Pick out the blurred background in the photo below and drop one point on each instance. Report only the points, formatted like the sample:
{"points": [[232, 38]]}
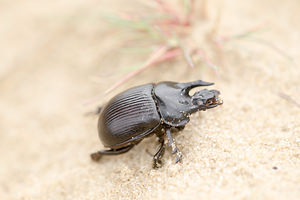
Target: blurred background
{"points": [[61, 59]]}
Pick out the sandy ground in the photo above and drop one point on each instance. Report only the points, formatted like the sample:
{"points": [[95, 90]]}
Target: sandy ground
{"points": [[52, 54]]}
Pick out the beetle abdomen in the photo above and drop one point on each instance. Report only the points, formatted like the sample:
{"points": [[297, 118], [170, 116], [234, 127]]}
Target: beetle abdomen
{"points": [[129, 115]]}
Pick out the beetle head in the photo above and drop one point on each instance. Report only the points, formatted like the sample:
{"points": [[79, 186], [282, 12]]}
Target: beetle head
{"points": [[206, 99]]}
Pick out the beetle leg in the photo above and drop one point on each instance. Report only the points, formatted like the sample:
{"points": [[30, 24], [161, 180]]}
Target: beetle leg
{"points": [[159, 154], [97, 155], [172, 144], [97, 112]]}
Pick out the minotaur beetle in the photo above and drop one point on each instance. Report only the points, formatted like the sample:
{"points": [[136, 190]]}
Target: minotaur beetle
{"points": [[150, 109]]}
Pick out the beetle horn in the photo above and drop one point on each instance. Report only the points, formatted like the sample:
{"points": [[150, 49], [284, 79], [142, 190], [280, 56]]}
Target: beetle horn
{"points": [[186, 87]]}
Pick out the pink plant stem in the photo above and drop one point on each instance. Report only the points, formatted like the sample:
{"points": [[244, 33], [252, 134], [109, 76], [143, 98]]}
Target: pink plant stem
{"points": [[152, 59], [223, 39], [167, 9], [204, 57], [127, 16], [168, 55]]}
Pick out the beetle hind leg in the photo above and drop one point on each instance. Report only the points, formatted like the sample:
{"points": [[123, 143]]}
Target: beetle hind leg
{"points": [[97, 155], [159, 154]]}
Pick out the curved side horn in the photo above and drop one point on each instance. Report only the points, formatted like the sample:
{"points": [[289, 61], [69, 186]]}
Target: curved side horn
{"points": [[186, 87]]}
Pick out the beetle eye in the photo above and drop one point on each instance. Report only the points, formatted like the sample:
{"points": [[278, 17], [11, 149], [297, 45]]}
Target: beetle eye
{"points": [[209, 102]]}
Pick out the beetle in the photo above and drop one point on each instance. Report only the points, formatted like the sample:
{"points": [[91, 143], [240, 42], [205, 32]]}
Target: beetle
{"points": [[149, 109]]}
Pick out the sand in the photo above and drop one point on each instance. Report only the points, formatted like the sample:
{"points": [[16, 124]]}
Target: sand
{"points": [[55, 55]]}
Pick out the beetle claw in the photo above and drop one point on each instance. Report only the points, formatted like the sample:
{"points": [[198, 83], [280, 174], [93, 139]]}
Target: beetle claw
{"points": [[96, 156], [157, 164], [178, 157], [174, 149]]}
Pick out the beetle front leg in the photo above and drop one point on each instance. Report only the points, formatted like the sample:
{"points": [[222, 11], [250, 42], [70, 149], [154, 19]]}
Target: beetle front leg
{"points": [[159, 154], [172, 144], [95, 112], [98, 111]]}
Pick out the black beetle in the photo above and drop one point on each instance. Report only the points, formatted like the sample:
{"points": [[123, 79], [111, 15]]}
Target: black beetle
{"points": [[141, 111]]}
